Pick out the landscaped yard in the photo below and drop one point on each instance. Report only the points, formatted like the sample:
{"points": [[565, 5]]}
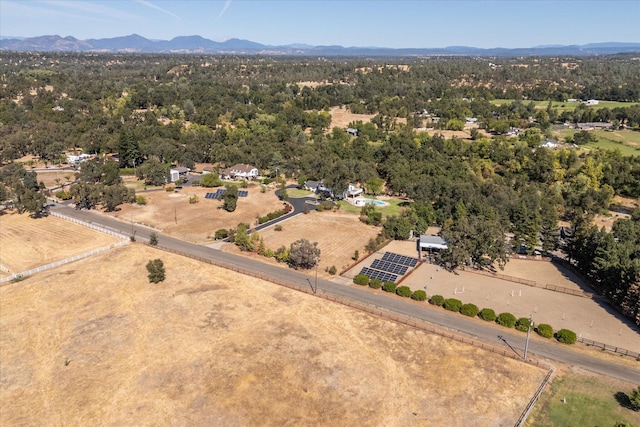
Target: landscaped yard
{"points": [[626, 141], [566, 106], [591, 400]]}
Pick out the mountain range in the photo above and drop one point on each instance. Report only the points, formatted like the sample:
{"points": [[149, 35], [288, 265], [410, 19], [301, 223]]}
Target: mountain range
{"points": [[196, 44]]}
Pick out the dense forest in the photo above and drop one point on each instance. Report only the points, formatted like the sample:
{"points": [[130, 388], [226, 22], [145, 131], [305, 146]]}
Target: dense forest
{"points": [[156, 110]]}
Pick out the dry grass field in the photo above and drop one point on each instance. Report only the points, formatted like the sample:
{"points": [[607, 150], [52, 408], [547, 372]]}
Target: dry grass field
{"points": [[27, 242], [341, 117], [49, 178], [338, 235], [93, 343], [172, 213]]}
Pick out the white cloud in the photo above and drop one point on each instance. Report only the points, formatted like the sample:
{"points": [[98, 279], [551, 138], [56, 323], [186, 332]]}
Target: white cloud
{"points": [[156, 7], [227, 3], [88, 7]]}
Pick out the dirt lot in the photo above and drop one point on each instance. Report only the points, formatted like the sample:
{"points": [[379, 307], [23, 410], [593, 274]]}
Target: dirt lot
{"points": [[26, 242], [172, 213], [338, 235], [584, 316], [49, 177], [88, 344]]}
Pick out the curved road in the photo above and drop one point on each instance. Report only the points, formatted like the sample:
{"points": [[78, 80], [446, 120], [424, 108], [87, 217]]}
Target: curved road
{"points": [[491, 335]]}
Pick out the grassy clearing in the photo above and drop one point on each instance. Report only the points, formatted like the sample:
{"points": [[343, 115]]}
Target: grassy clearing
{"points": [[590, 401], [626, 141], [566, 106]]}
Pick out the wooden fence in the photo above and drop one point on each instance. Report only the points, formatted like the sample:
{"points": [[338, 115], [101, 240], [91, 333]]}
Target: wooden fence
{"points": [[609, 347]]}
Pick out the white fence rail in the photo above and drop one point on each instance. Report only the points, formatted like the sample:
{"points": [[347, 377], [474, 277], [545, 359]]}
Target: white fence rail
{"points": [[86, 224], [124, 241], [61, 262], [5, 269]]}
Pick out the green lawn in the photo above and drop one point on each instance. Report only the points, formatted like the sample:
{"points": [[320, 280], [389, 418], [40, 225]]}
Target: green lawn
{"points": [[590, 401], [627, 141], [394, 208], [296, 193], [566, 106]]}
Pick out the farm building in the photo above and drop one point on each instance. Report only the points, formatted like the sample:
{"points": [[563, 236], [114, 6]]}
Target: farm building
{"points": [[240, 170], [174, 175], [352, 131]]}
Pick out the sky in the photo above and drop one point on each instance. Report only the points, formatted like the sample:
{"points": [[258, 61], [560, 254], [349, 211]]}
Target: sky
{"points": [[380, 23]]}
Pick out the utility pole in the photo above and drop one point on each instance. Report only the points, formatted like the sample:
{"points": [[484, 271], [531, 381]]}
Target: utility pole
{"points": [[526, 346]]}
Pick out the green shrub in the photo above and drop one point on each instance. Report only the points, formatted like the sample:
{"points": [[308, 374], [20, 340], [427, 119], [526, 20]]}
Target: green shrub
{"points": [[269, 253], [222, 233], [375, 283], [169, 188], [333, 270], [319, 208], [127, 171], [522, 324], [389, 287], [419, 295], [566, 336], [278, 227], [487, 314], [470, 310], [141, 200], [403, 291], [361, 280], [63, 195], [452, 304], [544, 330], [506, 319], [210, 180], [437, 300], [282, 254], [195, 183]]}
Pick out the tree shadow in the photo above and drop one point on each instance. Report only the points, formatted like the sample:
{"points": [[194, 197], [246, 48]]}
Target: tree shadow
{"points": [[624, 401]]}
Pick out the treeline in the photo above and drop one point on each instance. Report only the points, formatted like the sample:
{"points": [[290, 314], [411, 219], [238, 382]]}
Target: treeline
{"points": [[157, 110]]}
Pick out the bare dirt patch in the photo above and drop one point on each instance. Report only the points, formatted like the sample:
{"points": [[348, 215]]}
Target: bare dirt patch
{"points": [[27, 242], [338, 235], [55, 178], [94, 343], [341, 117], [172, 213]]}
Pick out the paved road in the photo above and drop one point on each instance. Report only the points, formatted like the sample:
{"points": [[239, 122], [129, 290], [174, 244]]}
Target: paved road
{"points": [[486, 333]]}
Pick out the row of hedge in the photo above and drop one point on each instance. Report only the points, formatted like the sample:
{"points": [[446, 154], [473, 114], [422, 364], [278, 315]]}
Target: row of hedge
{"points": [[276, 214], [507, 320], [391, 287]]}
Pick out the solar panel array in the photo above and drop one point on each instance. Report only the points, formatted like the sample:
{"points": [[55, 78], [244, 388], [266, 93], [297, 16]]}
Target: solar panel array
{"points": [[209, 196], [377, 274], [389, 267], [243, 193], [400, 259]]}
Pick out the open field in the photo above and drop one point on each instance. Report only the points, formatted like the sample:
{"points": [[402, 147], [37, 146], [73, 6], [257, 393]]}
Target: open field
{"points": [[94, 343], [341, 117], [584, 316], [566, 106], [338, 235], [591, 400], [626, 141], [172, 213], [27, 242], [49, 177]]}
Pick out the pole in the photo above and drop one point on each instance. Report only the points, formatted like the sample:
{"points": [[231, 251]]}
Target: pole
{"points": [[316, 289], [526, 346]]}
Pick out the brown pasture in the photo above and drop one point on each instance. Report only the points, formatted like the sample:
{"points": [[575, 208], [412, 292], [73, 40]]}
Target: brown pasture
{"points": [[338, 235], [172, 213], [26, 242], [93, 342]]}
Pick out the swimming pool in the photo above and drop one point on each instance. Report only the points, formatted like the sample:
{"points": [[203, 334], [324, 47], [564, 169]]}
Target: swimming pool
{"points": [[375, 202]]}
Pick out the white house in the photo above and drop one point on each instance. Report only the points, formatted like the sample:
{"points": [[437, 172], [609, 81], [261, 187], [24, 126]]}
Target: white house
{"points": [[240, 170], [174, 175], [591, 102], [352, 191], [74, 160], [429, 243]]}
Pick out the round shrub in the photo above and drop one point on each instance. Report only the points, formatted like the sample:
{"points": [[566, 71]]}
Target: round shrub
{"points": [[437, 300], [506, 319], [375, 283], [419, 295], [452, 304], [566, 336], [544, 330], [522, 324], [333, 270], [389, 287], [403, 291], [487, 314], [361, 280], [470, 310]]}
